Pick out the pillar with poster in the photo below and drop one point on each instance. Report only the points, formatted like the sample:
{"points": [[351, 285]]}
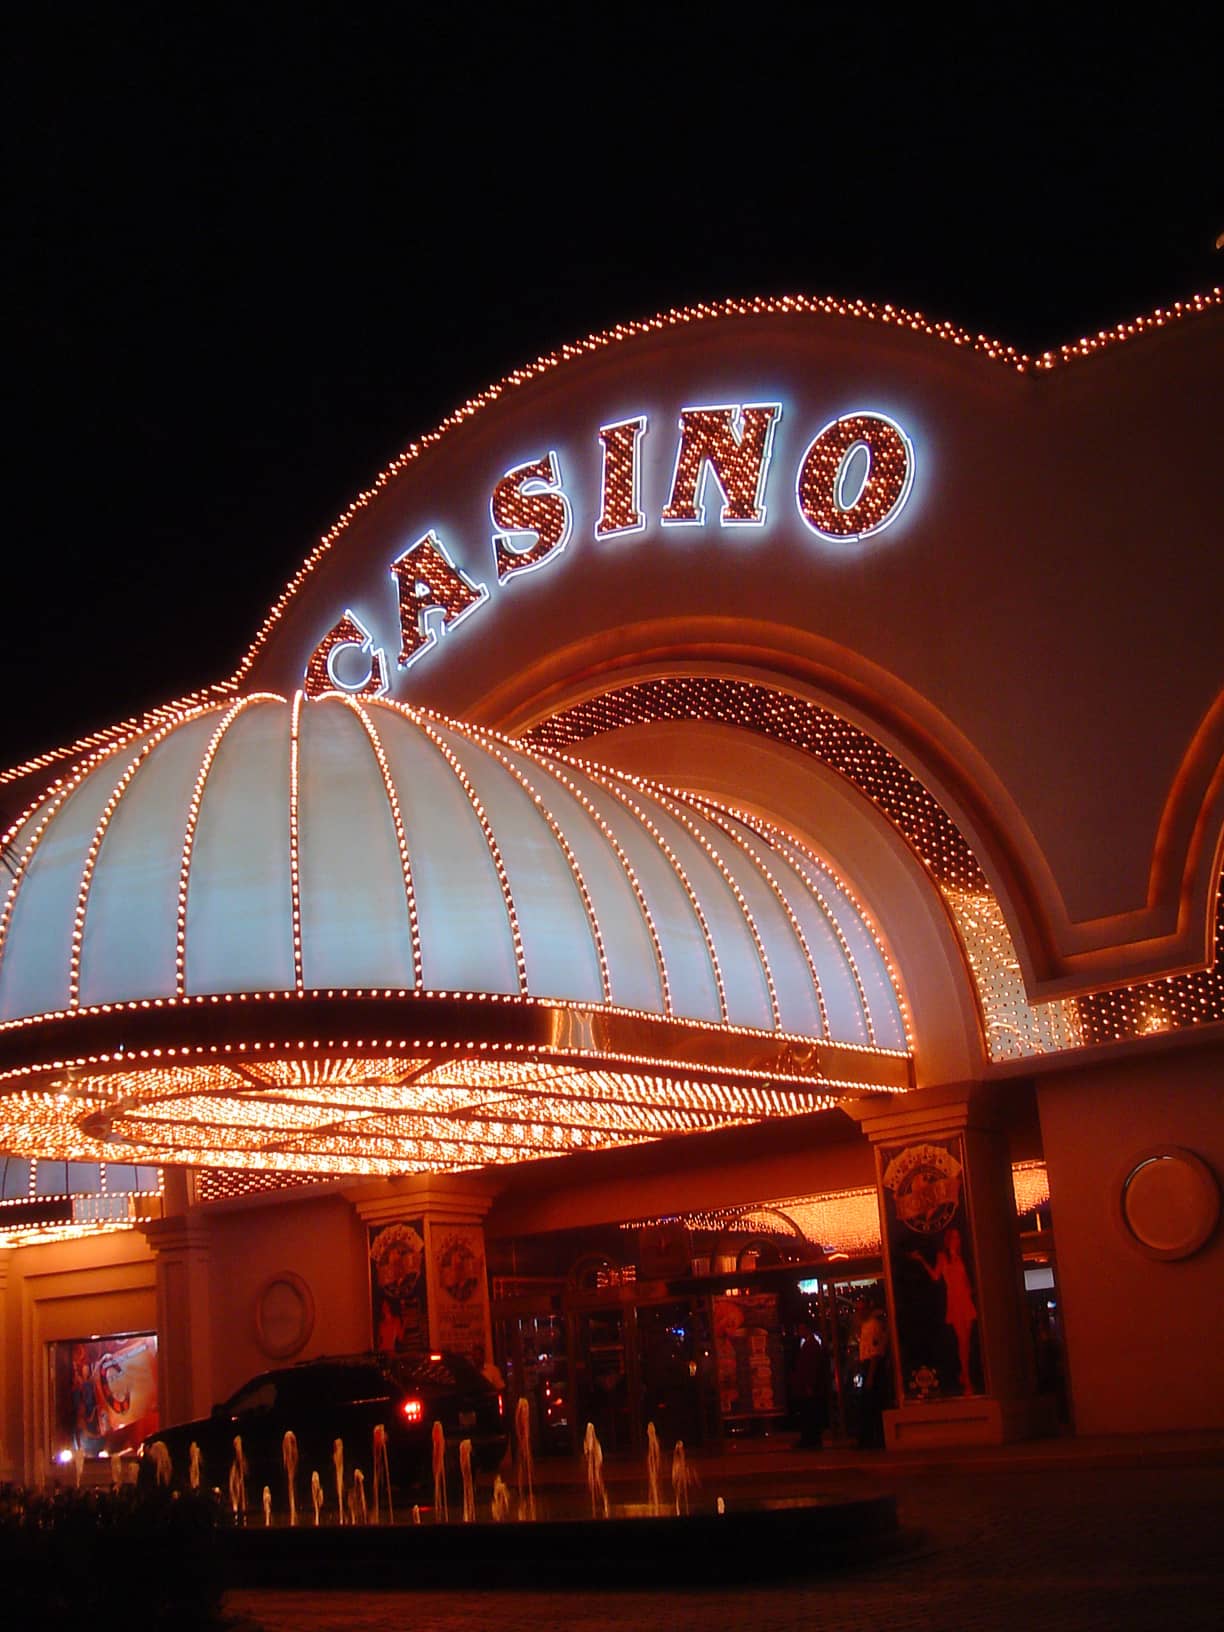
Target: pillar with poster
{"points": [[932, 1268]]}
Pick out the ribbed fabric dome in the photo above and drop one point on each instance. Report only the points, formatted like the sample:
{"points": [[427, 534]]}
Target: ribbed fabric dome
{"points": [[269, 845]]}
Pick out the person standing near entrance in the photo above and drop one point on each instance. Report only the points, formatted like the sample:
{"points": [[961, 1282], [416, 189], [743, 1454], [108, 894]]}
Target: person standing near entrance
{"points": [[873, 1376], [811, 1385]]}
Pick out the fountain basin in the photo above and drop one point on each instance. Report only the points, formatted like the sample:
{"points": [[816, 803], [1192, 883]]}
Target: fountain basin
{"points": [[752, 1540]]}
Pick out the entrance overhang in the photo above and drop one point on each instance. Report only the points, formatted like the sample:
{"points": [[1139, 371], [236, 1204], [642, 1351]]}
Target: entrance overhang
{"points": [[626, 961]]}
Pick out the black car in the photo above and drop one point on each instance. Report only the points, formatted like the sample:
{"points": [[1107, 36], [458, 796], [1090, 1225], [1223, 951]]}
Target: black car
{"points": [[340, 1397]]}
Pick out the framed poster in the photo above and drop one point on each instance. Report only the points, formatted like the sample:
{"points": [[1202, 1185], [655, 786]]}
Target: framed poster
{"points": [[931, 1268], [461, 1290], [103, 1393], [399, 1313]]}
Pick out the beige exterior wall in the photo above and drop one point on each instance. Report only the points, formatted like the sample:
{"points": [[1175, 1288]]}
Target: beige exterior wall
{"points": [[321, 1240], [1142, 1335]]}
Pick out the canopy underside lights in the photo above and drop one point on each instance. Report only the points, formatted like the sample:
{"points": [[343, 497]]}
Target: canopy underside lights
{"points": [[531, 1081]]}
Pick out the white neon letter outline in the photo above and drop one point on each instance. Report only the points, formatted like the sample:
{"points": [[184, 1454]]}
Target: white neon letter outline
{"points": [[898, 504], [427, 622], [533, 485], [642, 425], [378, 660], [736, 410]]}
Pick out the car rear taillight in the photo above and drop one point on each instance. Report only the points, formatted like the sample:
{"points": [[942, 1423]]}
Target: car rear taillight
{"points": [[412, 1410], [501, 1405]]}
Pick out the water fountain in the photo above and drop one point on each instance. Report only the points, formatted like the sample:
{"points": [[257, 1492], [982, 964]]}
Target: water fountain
{"points": [[689, 1539], [382, 1474], [289, 1456], [441, 1506], [338, 1464], [524, 1465], [162, 1469], [654, 1458], [681, 1478], [593, 1452], [469, 1489], [237, 1482]]}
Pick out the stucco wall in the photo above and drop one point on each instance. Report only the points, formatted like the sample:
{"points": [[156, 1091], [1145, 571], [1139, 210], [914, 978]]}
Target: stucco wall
{"points": [[321, 1240], [1142, 1344]]}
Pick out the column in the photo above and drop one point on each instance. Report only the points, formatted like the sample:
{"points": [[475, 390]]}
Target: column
{"points": [[184, 1315], [960, 1352], [428, 1270], [9, 1443]]}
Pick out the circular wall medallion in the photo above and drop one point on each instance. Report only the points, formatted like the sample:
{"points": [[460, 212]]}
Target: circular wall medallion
{"points": [[284, 1314], [1170, 1202]]}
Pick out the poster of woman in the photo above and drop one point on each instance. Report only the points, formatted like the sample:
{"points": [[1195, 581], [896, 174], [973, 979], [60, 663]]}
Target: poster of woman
{"points": [[930, 1248], [397, 1287]]}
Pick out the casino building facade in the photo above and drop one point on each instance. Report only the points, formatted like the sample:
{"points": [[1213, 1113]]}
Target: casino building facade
{"points": [[728, 829]]}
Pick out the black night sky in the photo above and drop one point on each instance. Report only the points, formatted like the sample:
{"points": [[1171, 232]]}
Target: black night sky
{"points": [[254, 255]]}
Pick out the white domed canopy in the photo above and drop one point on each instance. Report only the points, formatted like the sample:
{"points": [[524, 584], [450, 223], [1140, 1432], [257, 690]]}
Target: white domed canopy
{"points": [[342, 851]]}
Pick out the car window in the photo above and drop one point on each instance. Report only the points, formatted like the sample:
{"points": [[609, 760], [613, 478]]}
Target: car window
{"points": [[419, 1371], [312, 1386], [257, 1396], [358, 1383]]}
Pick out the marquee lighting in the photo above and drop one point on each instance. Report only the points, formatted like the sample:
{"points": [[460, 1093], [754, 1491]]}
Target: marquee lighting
{"points": [[852, 482], [845, 1221], [722, 311], [372, 1113]]}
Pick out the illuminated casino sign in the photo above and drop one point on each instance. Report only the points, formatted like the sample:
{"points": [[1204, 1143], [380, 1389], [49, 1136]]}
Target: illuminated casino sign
{"points": [[851, 482]]}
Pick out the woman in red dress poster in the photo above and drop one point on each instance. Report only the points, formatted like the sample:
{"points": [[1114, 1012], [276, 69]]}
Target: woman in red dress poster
{"points": [[960, 1310]]}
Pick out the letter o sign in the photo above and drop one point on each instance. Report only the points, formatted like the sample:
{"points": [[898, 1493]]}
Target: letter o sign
{"points": [[855, 477]]}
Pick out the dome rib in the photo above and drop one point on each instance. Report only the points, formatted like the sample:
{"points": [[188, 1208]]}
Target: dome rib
{"points": [[101, 829], [676, 809], [57, 805], [562, 774], [800, 863], [721, 820], [401, 837], [193, 822], [295, 839], [499, 866], [490, 746], [606, 781]]}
